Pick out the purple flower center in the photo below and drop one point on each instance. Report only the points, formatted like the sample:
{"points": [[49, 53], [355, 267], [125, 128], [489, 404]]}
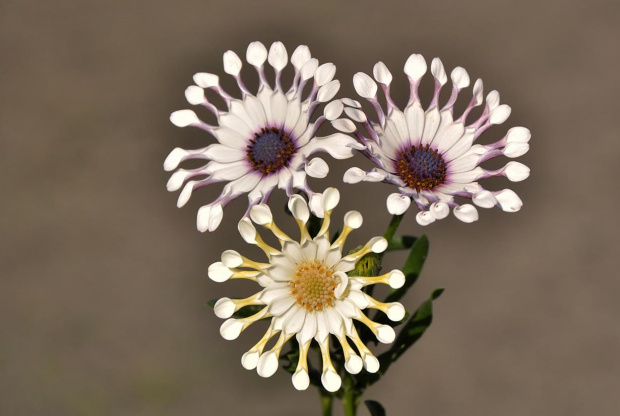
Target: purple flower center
{"points": [[421, 167], [270, 150]]}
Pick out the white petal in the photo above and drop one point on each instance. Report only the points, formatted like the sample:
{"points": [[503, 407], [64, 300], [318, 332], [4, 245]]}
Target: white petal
{"points": [[209, 217], [205, 80], [309, 329], [267, 364], [377, 244], [424, 218], [324, 74], [478, 91], [459, 77], [328, 91], [396, 279], [247, 230], [279, 108], [493, 100], [293, 111], [353, 175], [256, 54], [249, 360], [301, 380], [281, 305], [438, 71], [333, 110], [464, 163], [518, 135], [194, 95], [381, 73], [371, 363], [500, 114], [353, 219], [299, 208], [484, 199], [275, 291], [398, 203], [364, 85], [516, 171], [224, 154], [295, 321], [331, 198], [415, 121], [344, 125], [254, 108], [508, 200], [331, 380], [513, 150], [219, 273], [431, 124], [447, 136], [317, 168], [261, 214], [351, 103], [439, 210], [175, 157], [466, 177], [466, 213], [230, 258], [309, 68], [338, 145], [385, 334], [355, 114], [232, 63], [316, 205], [415, 66], [231, 329], [224, 308], [184, 118], [354, 364], [278, 58], [300, 56], [396, 312], [342, 286]]}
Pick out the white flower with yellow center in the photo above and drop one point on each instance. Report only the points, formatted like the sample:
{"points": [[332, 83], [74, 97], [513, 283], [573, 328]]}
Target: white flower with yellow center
{"points": [[429, 154], [306, 293], [265, 140]]}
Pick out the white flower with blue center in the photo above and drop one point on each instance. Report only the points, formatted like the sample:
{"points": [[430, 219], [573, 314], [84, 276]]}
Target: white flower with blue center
{"points": [[264, 140], [429, 154], [306, 293]]}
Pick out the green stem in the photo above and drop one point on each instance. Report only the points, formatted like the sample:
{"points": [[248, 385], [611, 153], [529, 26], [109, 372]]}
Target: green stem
{"points": [[350, 401], [392, 227], [326, 403]]}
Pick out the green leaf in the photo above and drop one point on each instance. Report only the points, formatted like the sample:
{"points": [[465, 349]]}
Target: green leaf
{"points": [[412, 268], [375, 408], [413, 329], [410, 333], [401, 242]]}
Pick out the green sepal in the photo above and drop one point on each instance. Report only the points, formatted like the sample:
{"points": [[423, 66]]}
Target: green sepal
{"points": [[375, 408], [412, 268], [401, 242]]}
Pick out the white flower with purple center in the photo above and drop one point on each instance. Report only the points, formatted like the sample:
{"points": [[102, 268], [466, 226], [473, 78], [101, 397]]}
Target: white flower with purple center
{"points": [[429, 154], [263, 140], [306, 293]]}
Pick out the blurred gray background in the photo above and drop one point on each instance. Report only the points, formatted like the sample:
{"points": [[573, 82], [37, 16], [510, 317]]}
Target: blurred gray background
{"points": [[103, 280]]}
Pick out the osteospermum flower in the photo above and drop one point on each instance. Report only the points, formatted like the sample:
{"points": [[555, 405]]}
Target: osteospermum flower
{"points": [[264, 140], [429, 154], [306, 293]]}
